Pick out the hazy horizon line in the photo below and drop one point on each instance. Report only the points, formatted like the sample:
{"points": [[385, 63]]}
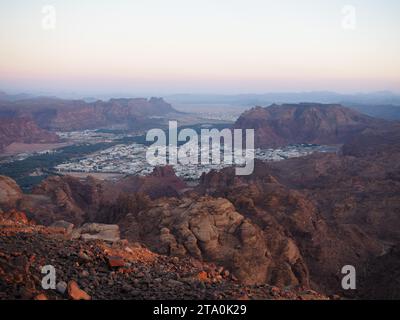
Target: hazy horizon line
{"points": [[124, 94]]}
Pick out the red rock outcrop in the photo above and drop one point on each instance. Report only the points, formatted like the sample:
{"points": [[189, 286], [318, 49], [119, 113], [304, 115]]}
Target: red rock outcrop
{"points": [[162, 182], [23, 130], [83, 271], [10, 193], [280, 125], [90, 200], [320, 206], [211, 229]]}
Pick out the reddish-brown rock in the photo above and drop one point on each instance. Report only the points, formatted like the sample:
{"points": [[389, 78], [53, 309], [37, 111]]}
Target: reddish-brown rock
{"points": [[75, 293], [115, 262], [280, 125], [10, 193], [23, 130], [69, 115]]}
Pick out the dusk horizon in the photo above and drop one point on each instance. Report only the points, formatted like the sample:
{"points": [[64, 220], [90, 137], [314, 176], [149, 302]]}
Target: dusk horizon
{"points": [[175, 47]]}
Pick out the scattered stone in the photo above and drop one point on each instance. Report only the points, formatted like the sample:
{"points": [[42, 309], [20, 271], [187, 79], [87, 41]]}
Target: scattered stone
{"points": [[202, 276], [116, 262], [61, 287], [84, 257], [85, 274], [129, 250], [75, 293], [41, 296]]}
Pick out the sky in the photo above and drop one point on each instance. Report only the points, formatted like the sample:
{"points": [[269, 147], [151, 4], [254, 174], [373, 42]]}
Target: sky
{"points": [[199, 46]]}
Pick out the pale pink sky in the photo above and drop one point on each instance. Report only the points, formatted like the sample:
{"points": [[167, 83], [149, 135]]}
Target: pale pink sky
{"points": [[199, 46]]}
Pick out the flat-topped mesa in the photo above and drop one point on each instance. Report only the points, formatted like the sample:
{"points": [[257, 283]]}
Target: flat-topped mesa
{"points": [[67, 115], [279, 125]]}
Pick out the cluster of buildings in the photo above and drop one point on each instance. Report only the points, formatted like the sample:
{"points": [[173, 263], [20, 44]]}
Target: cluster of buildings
{"points": [[131, 159], [90, 136]]}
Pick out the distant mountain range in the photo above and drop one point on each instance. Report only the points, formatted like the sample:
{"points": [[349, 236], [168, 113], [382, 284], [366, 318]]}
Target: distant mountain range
{"points": [[59, 114], [31, 119], [381, 97], [384, 104]]}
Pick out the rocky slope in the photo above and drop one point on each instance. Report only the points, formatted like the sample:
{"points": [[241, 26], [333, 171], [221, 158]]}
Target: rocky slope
{"points": [[280, 125], [96, 270], [68, 115], [337, 209], [289, 215], [23, 130], [383, 275]]}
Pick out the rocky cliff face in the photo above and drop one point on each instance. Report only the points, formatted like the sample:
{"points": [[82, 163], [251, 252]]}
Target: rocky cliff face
{"points": [[280, 125], [338, 209], [291, 215], [23, 130], [206, 228], [64, 198], [67, 115]]}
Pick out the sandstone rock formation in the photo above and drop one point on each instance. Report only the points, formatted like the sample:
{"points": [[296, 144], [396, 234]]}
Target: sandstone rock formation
{"points": [[280, 125], [23, 130], [83, 271], [211, 229], [68, 115], [90, 200], [10, 193], [323, 213], [162, 182]]}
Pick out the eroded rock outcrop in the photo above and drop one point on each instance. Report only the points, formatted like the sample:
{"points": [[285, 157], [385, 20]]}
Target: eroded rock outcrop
{"points": [[212, 230], [91, 200], [23, 130], [10, 193], [281, 205]]}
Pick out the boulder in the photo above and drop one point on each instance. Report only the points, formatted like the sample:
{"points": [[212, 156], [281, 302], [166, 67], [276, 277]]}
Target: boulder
{"points": [[97, 231], [67, 226]]}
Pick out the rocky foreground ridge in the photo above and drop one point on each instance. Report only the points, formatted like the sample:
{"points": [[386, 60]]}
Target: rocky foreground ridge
{"points": [[98, 269]]}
